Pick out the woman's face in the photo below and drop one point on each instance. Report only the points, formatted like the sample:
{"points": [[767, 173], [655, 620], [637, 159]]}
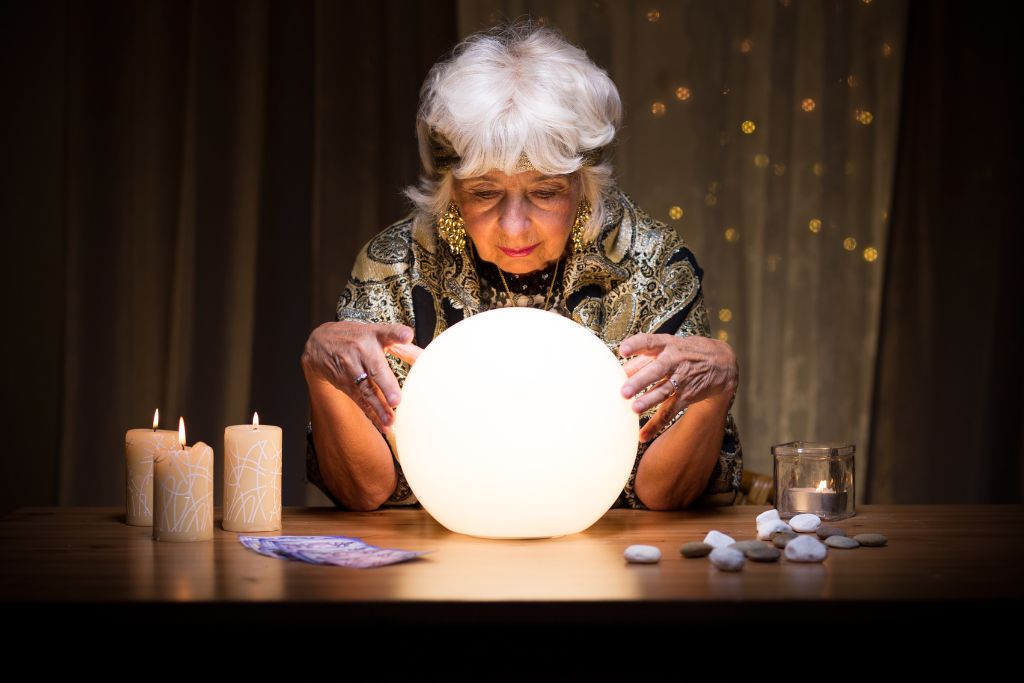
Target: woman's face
{"points": [[520, 223]]}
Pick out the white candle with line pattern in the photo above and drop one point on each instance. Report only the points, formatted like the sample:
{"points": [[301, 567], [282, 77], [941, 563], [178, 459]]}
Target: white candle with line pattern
{"points": [[183, 491], [252, 477], [140, 447]]}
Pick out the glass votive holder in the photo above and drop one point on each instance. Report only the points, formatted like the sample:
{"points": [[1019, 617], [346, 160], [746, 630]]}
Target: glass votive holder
{"points": [[814, 478]]}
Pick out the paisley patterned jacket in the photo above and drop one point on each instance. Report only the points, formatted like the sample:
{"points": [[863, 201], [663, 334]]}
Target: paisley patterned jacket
{"points": [[638, 276]]}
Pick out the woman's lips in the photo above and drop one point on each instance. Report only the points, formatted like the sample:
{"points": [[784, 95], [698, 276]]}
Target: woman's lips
{"points": [[519, 252]]}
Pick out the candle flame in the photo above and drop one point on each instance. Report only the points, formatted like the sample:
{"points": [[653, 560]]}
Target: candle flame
{"points": [[821, 487], [181, 432], [156, 418], [255, 420]]}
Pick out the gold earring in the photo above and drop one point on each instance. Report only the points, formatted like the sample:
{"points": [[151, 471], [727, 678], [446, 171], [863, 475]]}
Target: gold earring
{"points": [[582, 218], [452, 228]]}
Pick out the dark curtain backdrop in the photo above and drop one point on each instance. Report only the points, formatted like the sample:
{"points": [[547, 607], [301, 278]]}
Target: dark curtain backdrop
{"points": [[185, 186], [188, 183], [948, 403]]}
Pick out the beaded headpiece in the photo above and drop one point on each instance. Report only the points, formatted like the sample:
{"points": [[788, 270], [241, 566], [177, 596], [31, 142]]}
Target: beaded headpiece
{"points": [[445, 157]]}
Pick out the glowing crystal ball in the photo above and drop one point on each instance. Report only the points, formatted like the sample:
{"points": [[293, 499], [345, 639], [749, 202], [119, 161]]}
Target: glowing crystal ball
{"points": [[512, 424]]}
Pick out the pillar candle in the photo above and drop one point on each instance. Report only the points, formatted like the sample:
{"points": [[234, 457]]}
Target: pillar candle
{"points": [[183, 491], [140, 446], [252, 477]]}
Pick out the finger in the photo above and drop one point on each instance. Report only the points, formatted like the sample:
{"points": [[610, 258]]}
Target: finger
{"points": [[653, 426], [368, 401], [377, 390], [407, 352], [631, 367], [649, 374], [636, 363], [633, 344], [375, 362], [358, 393], [381, 401], [644, 342], [663, 392], [394, 334], [368, 410]]}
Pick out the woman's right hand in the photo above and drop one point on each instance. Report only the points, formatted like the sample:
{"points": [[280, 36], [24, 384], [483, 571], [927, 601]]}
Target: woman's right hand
{"points": [[338, 352]]}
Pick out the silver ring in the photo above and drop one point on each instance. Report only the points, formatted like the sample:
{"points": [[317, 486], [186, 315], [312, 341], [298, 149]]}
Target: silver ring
{"points": [[675, 386], [361, 378]]}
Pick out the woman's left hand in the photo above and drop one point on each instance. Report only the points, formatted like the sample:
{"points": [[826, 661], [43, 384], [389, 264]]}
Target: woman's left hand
{"points": [[701, 367]]}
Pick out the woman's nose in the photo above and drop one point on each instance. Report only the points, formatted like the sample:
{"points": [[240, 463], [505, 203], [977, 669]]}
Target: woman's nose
{"points": [[513, 219]]}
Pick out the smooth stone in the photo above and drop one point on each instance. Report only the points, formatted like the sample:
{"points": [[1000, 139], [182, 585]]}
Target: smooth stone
{"points": [[826, 531], [727, 559], [871, 540], [806, 549], [695, 549], [766, 529], [766, 516], [781, 538], [744, 546], [716, 539], [805, 522], [841, 542], [765, 554], [642, 554]]}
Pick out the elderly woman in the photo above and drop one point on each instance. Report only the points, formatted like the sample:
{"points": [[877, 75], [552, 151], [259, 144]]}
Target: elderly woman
{"points": [[517, 206]]}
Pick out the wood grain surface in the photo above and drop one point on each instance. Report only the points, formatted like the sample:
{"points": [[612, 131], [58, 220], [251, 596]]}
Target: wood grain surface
{"points": [[65, 560]]}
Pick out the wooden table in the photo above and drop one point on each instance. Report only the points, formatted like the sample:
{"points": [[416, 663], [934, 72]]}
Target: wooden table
{"points": [[85, 565]]}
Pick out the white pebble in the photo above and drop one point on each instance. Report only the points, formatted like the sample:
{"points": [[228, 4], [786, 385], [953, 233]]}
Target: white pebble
{"points": [[766, 529], [767, 515], [805, 522], [645, 554], [806, 549], [727, 559], [716, 539]]}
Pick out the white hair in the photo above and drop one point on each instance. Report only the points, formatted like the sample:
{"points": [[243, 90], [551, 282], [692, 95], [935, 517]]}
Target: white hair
{"points": [[511, 91]]}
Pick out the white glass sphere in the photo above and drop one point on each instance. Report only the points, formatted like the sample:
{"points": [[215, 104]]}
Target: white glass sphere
{"points": [[512, 424]]}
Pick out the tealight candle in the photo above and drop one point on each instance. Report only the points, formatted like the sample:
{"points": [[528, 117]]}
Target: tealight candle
{"points": [[252, 477], [183, 491], [140, 446], [821, 500], [815, 478]]}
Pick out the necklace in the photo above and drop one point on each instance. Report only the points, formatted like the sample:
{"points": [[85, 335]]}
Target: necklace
{"points": [[508, 291], [550, 286]]}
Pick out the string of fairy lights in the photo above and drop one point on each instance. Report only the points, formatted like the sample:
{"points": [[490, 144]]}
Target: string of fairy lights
{"points": [[807, 106], [683, 94]]}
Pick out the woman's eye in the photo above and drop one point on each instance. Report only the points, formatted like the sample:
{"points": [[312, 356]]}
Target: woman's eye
{"points": [[485, 194], [544, 194]]}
